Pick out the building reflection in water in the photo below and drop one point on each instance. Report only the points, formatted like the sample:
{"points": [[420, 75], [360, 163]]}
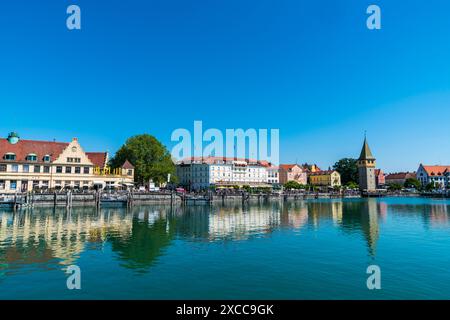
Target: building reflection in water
{"points": [[57, 235], [52, 238]]}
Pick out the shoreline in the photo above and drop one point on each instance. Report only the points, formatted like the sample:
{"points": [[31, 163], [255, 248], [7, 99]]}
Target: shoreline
{"points": [[129, 199]]}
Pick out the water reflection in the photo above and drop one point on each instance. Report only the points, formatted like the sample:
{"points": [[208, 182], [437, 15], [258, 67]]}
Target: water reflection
{"points": [[52, 238]]}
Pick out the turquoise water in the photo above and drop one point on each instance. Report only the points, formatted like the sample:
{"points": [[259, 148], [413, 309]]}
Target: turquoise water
{"points": [[316, 249]]}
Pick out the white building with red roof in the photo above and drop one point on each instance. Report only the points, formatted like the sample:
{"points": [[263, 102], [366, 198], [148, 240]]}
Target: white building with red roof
{"points": [[197, 173], [27, 165], [437, 174]]}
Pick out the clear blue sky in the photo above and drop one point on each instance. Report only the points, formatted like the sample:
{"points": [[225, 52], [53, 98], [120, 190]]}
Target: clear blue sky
{"points": [[310, 68]]}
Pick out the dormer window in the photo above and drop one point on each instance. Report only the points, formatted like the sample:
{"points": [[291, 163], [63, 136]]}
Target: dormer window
{"points": [[31, 157], [47, 158], [10, 156]]}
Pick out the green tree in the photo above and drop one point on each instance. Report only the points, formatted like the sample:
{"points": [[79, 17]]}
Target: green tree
{"points": [[412, 183], [150, 158], [348, 169], [292, 185], [395, 187], [431, 186], [352, 185]]}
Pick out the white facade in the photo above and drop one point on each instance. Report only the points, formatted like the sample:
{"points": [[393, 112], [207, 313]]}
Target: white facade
{"points": [[439, 175], [273, 175], [210, 171]]}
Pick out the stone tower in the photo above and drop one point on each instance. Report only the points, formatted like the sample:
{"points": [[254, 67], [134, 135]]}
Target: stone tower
{"points": [[366, 169]]}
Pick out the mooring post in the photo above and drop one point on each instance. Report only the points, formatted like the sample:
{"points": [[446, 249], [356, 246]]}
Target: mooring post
{"points": [[68, 199], [97, 198]]}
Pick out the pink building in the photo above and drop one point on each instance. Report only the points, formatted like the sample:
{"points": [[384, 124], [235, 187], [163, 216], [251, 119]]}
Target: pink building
{"points": [[292, 172], [379, 178]]}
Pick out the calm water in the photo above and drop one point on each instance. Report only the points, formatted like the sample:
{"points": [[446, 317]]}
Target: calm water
{"points": [[316, 249]]}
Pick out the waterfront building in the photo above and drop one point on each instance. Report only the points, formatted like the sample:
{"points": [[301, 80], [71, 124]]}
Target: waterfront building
{"points": [[399, 177], [380, 178], [439, 175], [308, 168], [366, 169], [27, 165], [199, 173], [325, 178], [292, 172], [273, 175]]}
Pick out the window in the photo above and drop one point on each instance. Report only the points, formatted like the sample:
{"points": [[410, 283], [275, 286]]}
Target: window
{"points": [[13, 185], [68, 169], [14, 168], [2, 184], [35, 184], [46, 169], [31, 157], [86, 170], [77, 170], [45, 184], [26, 168], [47, 158], [37, 169], [74, 160], [2, 167], [59, 169], [10, 157]]}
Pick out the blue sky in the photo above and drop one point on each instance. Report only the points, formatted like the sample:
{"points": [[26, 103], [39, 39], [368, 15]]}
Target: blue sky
{"points": [[310, 68]]}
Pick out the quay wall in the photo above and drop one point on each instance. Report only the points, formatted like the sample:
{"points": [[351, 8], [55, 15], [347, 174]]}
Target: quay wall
{"points": [[69, 199]]}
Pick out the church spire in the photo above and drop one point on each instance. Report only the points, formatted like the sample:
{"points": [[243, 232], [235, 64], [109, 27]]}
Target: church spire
{"points": [[366, 154]]}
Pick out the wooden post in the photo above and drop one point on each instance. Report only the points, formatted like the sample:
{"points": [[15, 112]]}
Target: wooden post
{"points": [[68, 195]]}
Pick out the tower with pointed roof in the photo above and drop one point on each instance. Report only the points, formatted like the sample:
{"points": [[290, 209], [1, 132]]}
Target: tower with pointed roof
{"points": [[366, 169]]}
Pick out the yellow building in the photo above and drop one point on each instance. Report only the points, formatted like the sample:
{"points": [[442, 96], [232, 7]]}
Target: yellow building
{"points": [[27, 165], [329, 178]]}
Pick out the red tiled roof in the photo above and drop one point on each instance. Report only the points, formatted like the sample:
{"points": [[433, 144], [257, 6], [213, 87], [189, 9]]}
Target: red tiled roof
{"points": [[127, 165], [436, 170], [98, 158], [212, 160], [400, 175], [288, 166], [25, 147]]}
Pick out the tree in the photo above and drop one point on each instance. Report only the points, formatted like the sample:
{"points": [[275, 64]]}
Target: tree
{"points": [[292, 185], [395, 187], [352, 185], [348, 169], [431, 186], [412, 183], [150, 158]]}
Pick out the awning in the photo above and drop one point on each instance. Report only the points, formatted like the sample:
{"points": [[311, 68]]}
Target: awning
{"points": [[102, 183]]}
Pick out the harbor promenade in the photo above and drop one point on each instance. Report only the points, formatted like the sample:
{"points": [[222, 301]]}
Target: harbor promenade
{"points": [[130, 198]]}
